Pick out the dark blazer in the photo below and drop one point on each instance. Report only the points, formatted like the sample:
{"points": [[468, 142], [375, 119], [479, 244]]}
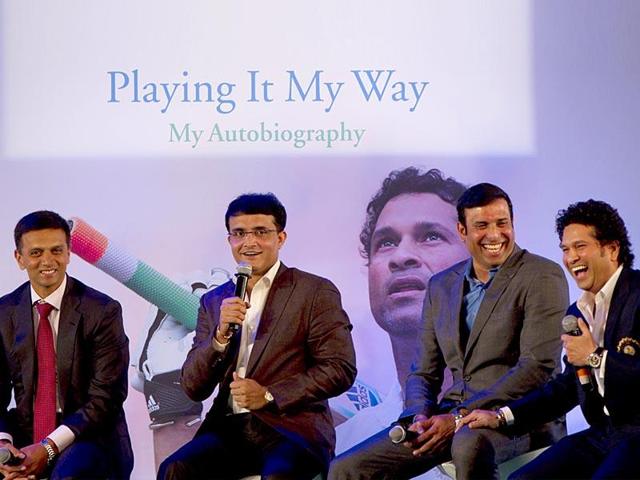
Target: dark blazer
{"points": [[92, 362], [622, 369], [514, 344], [303, 354]]}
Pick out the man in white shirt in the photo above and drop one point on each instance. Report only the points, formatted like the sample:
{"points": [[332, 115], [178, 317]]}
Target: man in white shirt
{"points": [[64, 354], [292, 353], [606, 351]]}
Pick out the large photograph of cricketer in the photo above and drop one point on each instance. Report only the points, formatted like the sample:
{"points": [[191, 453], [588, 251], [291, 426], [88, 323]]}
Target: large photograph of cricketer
{"points": [[408, 235]]}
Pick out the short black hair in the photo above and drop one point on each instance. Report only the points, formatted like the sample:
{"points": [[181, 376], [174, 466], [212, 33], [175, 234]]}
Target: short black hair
{"points": [[256, 204], [481, 195], [40, 220], [406, 181], [606, 222]]}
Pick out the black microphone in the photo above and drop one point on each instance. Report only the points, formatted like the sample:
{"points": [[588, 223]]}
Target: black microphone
{"points": [[7, 458], [400, 431], [570, 327], [243, 273]]}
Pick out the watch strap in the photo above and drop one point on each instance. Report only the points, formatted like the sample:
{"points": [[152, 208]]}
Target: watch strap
{"points": [[51, 453]]}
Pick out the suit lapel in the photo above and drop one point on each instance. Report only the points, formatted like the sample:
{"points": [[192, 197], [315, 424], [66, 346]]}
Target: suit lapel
{"points": [[498, 285], [272, 314], [455, 307], [615, 318], [25, 340], [66, 342]]}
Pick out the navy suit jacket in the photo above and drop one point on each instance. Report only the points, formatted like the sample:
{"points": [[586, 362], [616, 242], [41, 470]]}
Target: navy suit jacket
{"points": [[303, 354], [92, 359], [622, 369]]}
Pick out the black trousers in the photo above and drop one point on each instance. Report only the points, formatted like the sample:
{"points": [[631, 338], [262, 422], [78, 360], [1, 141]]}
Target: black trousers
{"points": [[237, 446], [598, 452]]}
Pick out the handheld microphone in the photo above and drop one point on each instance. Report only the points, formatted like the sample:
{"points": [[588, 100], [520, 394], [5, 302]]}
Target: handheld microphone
{"points": [[7, 458], [243, 273], [400, 432], [570, 327]]}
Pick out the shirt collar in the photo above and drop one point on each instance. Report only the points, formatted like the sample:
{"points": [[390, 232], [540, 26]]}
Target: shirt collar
{"points": [[54, 299], [470, 276], [267, 278]]}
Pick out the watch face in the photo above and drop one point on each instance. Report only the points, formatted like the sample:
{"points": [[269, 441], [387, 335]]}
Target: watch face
{"points": [[594, 360]]}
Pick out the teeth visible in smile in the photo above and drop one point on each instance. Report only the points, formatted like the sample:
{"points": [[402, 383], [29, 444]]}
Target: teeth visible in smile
{"points": [[47, 272], [578, 269], [493, 247]]}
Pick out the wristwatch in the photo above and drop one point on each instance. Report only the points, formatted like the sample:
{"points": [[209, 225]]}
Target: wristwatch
{"points": [[51, 454], [595, 358], [267, 396]]}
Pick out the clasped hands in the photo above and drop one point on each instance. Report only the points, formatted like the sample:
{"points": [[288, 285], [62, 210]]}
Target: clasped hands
{"points": [[32, 458], [434, 433]]}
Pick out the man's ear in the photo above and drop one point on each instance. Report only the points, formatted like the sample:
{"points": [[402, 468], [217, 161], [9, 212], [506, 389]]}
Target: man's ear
{"points": [[282, 237], [19, 259], [613, 249], [462, 231]]}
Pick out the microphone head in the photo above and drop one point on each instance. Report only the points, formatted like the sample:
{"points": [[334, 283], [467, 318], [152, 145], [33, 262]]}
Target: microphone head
{"points": [[570, 324], [5, 456], [244, 269], [398, 434]]}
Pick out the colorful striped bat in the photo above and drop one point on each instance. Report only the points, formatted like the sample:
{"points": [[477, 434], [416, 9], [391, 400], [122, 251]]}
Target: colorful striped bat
{"points": [[94, 247]]}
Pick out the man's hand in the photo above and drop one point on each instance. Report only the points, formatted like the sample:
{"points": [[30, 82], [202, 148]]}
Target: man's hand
{"points": [[579, 348], [248, 393], [435, 433], [15, 471], [33, 464], [481, 419], [232, 310]]}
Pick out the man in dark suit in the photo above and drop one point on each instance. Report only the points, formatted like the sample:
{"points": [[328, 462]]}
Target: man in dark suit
{"points": [[597, 253], [64, 353], [494, 321], [292, 353]]}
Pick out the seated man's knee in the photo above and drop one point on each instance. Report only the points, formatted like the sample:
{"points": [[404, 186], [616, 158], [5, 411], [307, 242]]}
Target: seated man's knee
{"points": [[472, 451], [340, 467]]}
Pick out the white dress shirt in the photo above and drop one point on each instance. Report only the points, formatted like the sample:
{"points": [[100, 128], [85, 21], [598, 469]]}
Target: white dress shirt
{"points": [[257, 301], [601, 301]]}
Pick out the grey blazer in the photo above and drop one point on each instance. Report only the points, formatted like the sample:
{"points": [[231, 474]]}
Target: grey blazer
{"points": [[513, 347]]}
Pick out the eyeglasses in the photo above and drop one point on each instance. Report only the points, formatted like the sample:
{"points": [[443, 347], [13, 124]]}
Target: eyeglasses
{"points": [[258, 234]]}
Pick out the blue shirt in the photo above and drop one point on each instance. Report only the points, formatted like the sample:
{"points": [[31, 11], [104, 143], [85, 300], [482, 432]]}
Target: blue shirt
{"points": [[475, 289]]}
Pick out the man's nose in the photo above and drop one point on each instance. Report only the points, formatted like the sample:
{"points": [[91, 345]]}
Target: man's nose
{"points": [[493, 231], [571, 255], [250, 238], [404, 256], [46, 257]]}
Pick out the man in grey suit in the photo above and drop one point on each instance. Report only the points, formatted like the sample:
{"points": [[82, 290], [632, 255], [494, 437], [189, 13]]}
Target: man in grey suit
{"points": [[494, 321]]}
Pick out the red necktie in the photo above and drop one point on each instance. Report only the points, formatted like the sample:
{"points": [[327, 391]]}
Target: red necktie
{"points": [[44, 409]]}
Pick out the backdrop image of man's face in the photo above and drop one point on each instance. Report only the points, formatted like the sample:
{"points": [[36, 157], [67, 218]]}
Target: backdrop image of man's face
{"points": [[415, 237]]}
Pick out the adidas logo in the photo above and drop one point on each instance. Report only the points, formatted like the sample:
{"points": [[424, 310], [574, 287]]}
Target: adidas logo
{"points": [[152, 405]]}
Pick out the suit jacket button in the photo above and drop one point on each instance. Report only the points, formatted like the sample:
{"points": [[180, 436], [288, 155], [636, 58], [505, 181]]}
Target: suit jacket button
{"points": [[467, 378]]}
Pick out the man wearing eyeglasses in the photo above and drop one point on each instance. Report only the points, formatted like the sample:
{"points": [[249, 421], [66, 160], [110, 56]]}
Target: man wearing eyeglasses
{"points": [[274, 376]]}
